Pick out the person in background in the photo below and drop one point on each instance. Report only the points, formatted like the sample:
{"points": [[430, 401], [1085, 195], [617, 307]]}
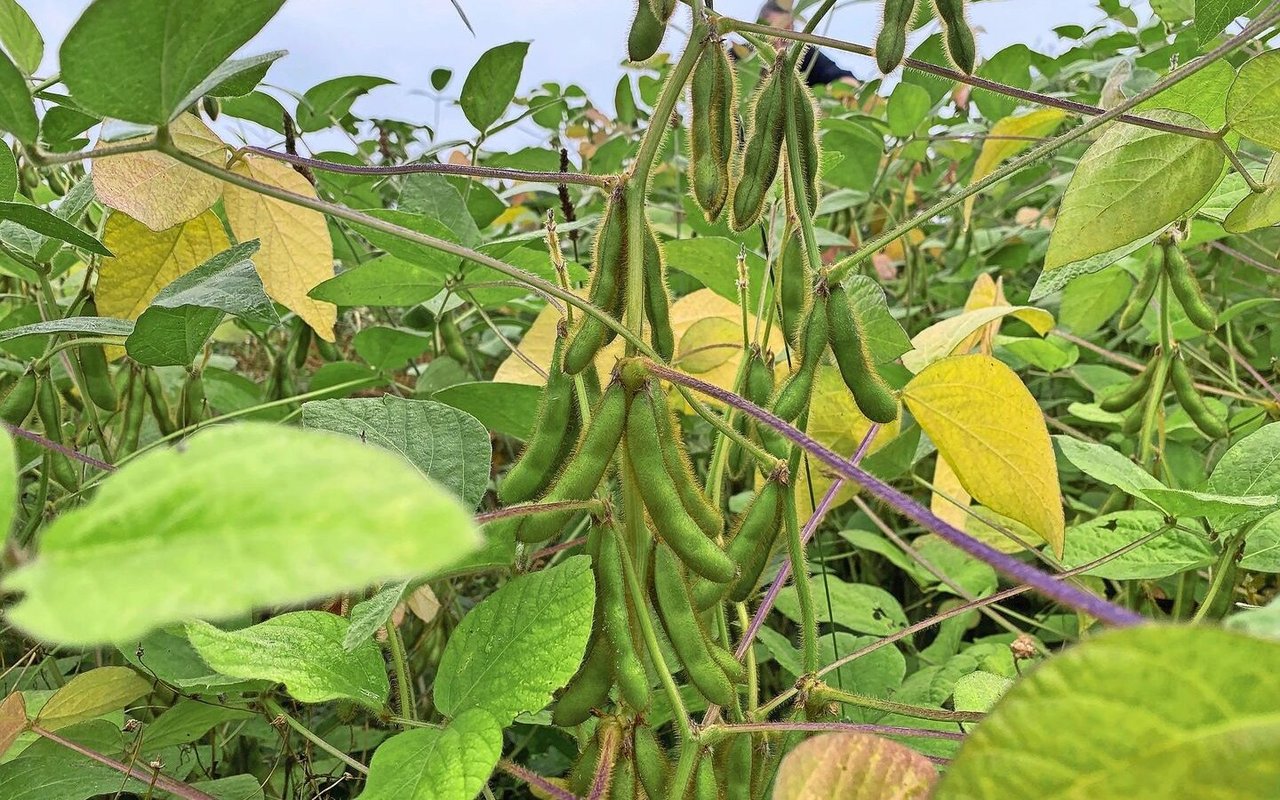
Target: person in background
{"points": [[818, 69]]}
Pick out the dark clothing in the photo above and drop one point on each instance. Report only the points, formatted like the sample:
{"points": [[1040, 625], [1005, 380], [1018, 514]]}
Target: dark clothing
{"points": [[819, 70]]}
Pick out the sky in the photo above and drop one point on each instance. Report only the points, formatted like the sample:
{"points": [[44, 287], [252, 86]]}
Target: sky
{"points": [[580, 41]]}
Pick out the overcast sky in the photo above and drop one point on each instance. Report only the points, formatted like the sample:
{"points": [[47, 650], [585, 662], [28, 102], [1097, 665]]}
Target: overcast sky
{"points": [[580, 41]]}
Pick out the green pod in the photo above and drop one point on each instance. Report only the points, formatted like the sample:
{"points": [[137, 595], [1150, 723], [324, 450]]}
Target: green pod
{"points": [[327, 350], [541, 458], [804, 111], [657, 297], [684, 629], [957, 35], [672, 521], [20, 400], [616, 607], [93, 366], [713, 93], [159, 405], [755, 170], [662, 9], [623, 785], [451, 338], [705, 786], [1185, 390], [891, 43], [1131, 394], [857, 366], [584, 768], [585, 468], [646, 33], [135, 407], [753, 540], [759, 390], [732, 667], [1143, 292], [738, 767], [49, 410], [793, 398], [302, 345], [680, 468], [652, 767], [1132, 422], [607, 287], [794, 282], [705, 593], [588, 689], [1187, 289], [193, 400]]}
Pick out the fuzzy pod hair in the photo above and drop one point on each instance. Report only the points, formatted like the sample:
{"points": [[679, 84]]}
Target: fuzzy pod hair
{"points": [[957, 35], [713, 133], [891, 43], [645, 36], [607, 289], [757, 167]]}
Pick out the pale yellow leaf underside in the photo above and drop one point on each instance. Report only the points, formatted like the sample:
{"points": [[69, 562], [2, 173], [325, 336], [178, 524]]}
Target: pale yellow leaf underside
{"points": [[295, 253], [1009, 137], [991, 431], [944, 338], [156, 190]]}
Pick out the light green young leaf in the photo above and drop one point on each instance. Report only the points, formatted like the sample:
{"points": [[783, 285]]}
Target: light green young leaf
{"points": [[525, 641], [1212, 16], [449, 763], [8, 173], [383, 281], [979, 691], [1202, 95], [446, 444], [369, 615], [127, 60], [1131, 183], [491, 84], [20, 36], [17, 110], [91, 694], [1153, 711], [1253, 106], [303, 650], [1170, 553], [51, 225], [1257, 209], [885, 335], [327, 103], [859, 607], [241, 516]]}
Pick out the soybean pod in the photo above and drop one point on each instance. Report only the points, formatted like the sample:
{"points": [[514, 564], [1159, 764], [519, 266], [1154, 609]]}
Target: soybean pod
{"points": [[794, 281], [542, 456], [616, 608], [680, 468], [1187, 289], [672, 521], [957, 35], [607, 287], [712, 129], [49, 410], [793, 397], [1136, 390], [857, 366], [1143, 292], [684, 629], [135, 406], [589, 687], [738, 767], [804, 112], [657, 297], [757, 167], [646, 33], [652, 767], [891, 43], [20, 400], [93, 366], [753, 540], [159, 405], [1191, 401]]}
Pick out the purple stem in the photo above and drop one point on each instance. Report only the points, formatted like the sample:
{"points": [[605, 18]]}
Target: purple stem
{"points": [[879, 730], [1042, 582], [534, 779], [805, 535], [49, 444]]}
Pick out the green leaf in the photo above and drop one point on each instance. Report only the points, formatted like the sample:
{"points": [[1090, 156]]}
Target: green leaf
{"points": [[92, 694], [1262, 548], [1262, 622], [166, 654], [449, 763], [1129, 184], [445, 444], [127, 59], [301, 649], [187, 721], [181, 318], [240, 76], [1170, 553], [20, 36], [713, 261], [1011, 67], [854, 766], [907, 109], [390, 348], [235, 787], [256, 107], [1202, 95], [17, 110], [327, 103], [506, 408], [8, 483], [8, 173], [877, 674], [1153, 711], [438, 261], [859, 607], [241, 516], [491, 84], [46, 224], [884, 334], [520, 644], [91, 326], [1258, 209], [433, 196], [1253, 105], [1213, 16], [384, 281], [48, 771], [979, 691], [369, 615], [1251, 466]]}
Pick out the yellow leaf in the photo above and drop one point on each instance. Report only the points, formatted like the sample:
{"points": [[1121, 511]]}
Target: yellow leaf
{"points": [[13, 720], [708, 343], [989, 428], [295, 254], [1004, 534], [537, 345], [697, 338], [147, 261], [950, 501], [91, 694], [835, 422], [950, 335], [156, 190], [1009, 137], [985, 293]]}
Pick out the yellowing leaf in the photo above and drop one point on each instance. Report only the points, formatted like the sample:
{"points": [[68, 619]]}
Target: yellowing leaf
{"points": [[836, 422], [156, 190], [989, 428], [13, 720], [950, 335], [695, 309], [854, 766], [950, 501], [91, 694], [147, 261], [985, 293], [538, 342], [295, 254], [1009, 137], [709, 343]]}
